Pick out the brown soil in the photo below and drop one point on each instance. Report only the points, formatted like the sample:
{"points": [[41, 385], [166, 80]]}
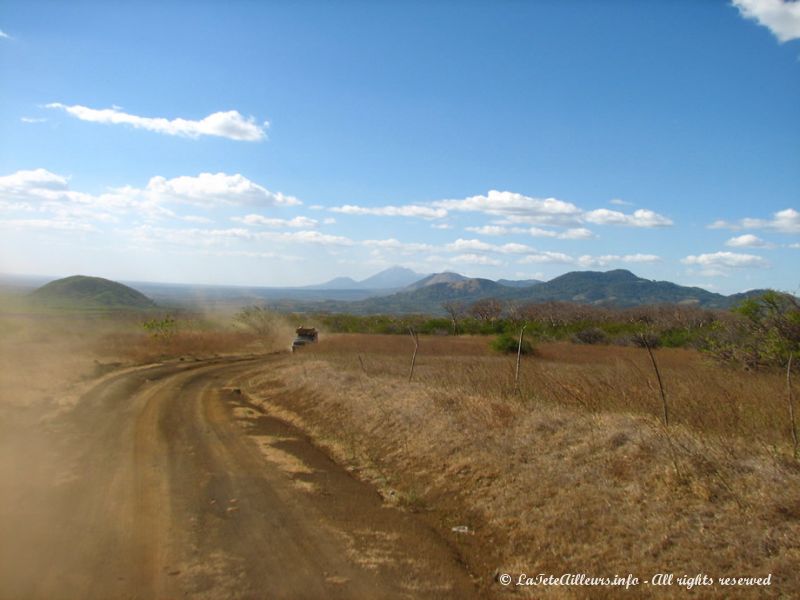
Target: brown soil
{"points": [[167, 482]]}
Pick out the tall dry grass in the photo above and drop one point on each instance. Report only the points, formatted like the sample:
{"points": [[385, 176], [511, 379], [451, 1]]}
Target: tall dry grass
{"points": [[702, 395], [575, 474]]}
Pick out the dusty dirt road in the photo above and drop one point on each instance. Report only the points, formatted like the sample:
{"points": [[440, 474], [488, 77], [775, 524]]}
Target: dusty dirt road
{"points": [[166, 482]]}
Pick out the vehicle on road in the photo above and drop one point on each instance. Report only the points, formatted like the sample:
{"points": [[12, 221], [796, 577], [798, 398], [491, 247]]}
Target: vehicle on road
{"points": [[305, 335]]}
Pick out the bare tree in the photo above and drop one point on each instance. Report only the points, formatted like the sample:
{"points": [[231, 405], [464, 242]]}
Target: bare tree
{"points": [[455, 310], [488, 309]]}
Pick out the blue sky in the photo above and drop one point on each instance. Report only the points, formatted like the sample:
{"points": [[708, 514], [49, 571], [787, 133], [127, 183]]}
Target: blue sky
{"points": [[284, 143]]}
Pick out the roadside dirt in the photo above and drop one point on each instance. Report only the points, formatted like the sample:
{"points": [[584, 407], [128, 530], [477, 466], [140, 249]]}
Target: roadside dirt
{"points": [[166, 482]]}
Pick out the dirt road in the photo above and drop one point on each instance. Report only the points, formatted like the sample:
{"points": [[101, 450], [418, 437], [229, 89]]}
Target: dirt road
{"points": [[166, 482]]}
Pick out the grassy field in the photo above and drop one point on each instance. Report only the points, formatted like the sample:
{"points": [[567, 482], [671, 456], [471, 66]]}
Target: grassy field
{"points": [[715, 401], [576, 472]]}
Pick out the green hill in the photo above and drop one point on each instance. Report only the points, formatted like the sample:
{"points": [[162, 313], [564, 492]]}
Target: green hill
{"points": [[82, 292], [619, 288]]}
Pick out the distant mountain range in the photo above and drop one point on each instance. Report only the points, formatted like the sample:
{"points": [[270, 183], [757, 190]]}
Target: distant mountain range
{"points": [[392, 278], [618, 288], [393, 291]]}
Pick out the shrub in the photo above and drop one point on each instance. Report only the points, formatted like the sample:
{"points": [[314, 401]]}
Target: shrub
{"points": [[592, 335], [162, 329], [762, 331], [509, 344], [645, 339], [677, 338]]}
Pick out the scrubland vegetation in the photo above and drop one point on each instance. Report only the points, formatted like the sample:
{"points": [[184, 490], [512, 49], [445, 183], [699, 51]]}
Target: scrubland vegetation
{"points": [[572, 468], [676, 326], [573, 473], [569, 469]]}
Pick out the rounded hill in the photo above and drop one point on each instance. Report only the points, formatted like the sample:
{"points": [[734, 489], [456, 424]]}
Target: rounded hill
{"points": [[80, 291]]}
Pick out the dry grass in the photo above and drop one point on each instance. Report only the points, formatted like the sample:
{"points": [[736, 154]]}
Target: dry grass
{"points": [[576, 474], [702, 395]]}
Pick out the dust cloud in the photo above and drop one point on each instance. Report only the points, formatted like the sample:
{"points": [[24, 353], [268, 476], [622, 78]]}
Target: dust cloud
{"points": [[48, 361]]}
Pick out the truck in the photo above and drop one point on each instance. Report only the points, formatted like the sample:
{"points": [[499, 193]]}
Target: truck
{"points": [[305, 335]]}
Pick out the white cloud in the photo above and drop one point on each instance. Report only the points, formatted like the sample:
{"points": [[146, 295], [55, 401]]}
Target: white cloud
{"points": [[4, 35], [747, 240], [17, 206], [639, 218], [794, 245], [212, 236], [246, 254], [725, 259], [411, 210], [577, 233], [607, 259], [393, 244], [51, 224], [618, 202], [462, 245], [148, 234], [228, 124], [784, 221], [587, 260], [514, 249], [475, 259], [296, 222], [780, 17], [210, 189], [39, 183], [518, 209], [32, 119], [309, 237], [205, 189], [492, 230], [536, 210], [43, 191], [441, 226], [546, 257], [721, 224]]}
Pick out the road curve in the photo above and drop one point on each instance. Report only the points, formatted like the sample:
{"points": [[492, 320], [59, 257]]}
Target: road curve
{"points": [[166, 482]]}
